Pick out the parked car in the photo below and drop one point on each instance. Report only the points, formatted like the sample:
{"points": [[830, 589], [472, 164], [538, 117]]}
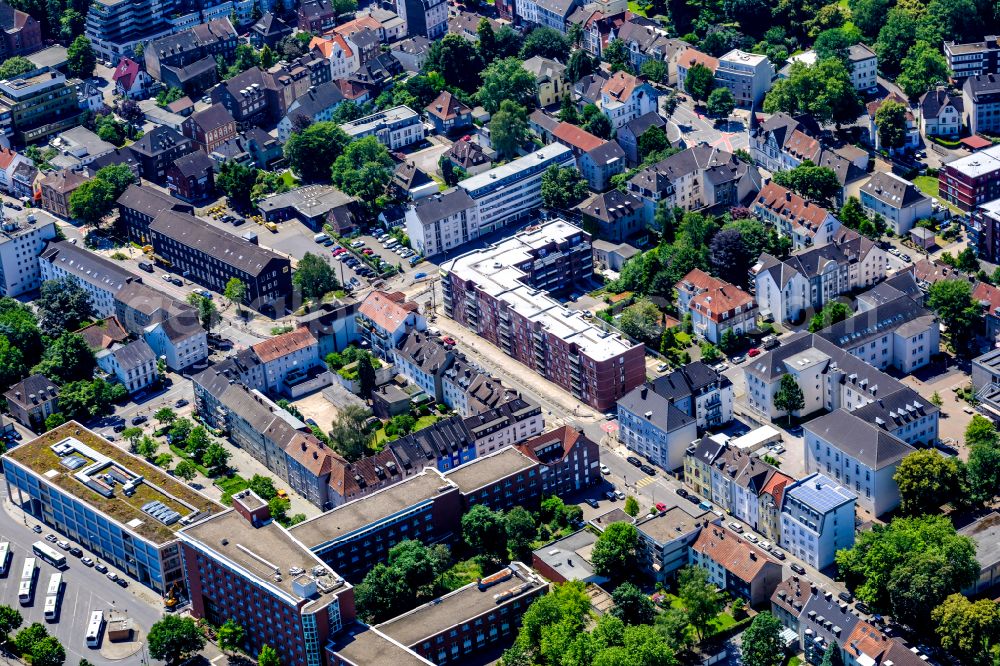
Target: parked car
{"points": [[448, 340], [736, 360], [119, 427], [139, 420], [605, 469], [750, 537], [611, 495], [661, 507], [682, 492], [753, 352], [37, 529], [778, 554], [797, 568], [75, 552], [632, 460], [862, 607], [63, 544], [592, 502], [122, 582], [87, 562], [181, 403], [736, 527], [51, 538], [112, 576], [846, 596], [647, 469], [662, 367]]}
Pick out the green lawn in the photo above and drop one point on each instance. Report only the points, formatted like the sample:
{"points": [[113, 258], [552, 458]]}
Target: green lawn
{"points": [[722, 621], [289, 179], [794, 661], [929, 186], [461, 574], [422, 422]]}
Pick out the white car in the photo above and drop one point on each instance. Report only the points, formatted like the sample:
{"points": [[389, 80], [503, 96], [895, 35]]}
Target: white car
{"points": [[736, 527], [619, 494], [750, 537], [605, 469], [662, 367], [358, 243]]}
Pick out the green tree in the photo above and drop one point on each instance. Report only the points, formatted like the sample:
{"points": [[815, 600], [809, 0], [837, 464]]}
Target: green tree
{"points": [[48, 652], [926, 480], [580, 64], [268, 657], [909, 566], [380, 594], [832, 656], [216, 458], [761, 643], [616, 54], [16, 66], [10, 619], [484, 532], [263, 486], [563, 187], [457, 60], [179, 431], [67, 358], [173, 638], [968, 630], [654, 70], [817, 183], [349, 434], [632, 506], [831, 313], [632, 605], [614, 554], [652, 143], [594, 121], [235, 291], [487, 40], [789, 397], [642, 320], [823, 90], [699, 597], [25, 639], [983, 467], [54, 420], [890, 119], [895, 39], [186, 470], [80, 58], [921, 69], [230, 636], [91, 201], [547, 43], [20, 327], [313, 151], [84, 399], [961, 314], [509, 128], [699, 81], [236, 180], [208, 314], [314, 277], [507, 80], [168, 96], [279, 506], [12, 365], [519, 526], [364, 170], [146, 447], [720, 103], [132, 436]]}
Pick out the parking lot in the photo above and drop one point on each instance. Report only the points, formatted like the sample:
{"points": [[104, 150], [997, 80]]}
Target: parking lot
{"points": [[84, 590]]}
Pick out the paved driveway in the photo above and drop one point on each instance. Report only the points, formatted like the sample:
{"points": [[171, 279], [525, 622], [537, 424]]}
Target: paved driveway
{"points": [[695, 128]]}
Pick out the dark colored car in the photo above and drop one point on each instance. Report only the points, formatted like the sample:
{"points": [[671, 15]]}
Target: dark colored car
{"points": [[122, 582], [138, 420], [682, 492], [846, 596], [119, 427], [647, 469], [632, 460], [181, 403], [592, 502], [75, 552], [797, 568], [862, 607]]}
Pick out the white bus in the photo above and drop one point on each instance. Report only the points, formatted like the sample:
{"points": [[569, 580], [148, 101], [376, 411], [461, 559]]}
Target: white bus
{"points": [[55, 585], [51, 608], [5, 558], [26, 591], [95, 628], [49, 554]]}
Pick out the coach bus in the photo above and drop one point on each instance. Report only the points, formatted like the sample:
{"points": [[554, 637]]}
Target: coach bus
{"points": [[95, 628], [49, 554], [5, 557], [27, 588]]}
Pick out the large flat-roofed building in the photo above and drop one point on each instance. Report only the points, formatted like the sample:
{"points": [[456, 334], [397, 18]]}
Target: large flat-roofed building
{"points": [[363, 646], [211, 257], [986, 219], [117, 506], [22, 239], [243, 566], [500, 480], [972, 180], [973, 58], [513, 190], [472, 618], [664, 539], [355, 536], [500, 293], [34, 107], [395, 128]]}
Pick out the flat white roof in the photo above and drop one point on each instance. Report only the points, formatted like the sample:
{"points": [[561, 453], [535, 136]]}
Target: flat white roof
{"points": [[743, 57], [979, 163], [549, 152], [494, 270]]}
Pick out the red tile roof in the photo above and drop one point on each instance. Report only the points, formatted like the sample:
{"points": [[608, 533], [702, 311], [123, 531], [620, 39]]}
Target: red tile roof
{"points": [[775, 486], [690, 57], [565, 435], [311, 453], [734, 554], [447, 106], [7, 156], [284, 344], [790, 206], [620, 86], [126, 73], [720, 300], [387, 310], [575, 137]]}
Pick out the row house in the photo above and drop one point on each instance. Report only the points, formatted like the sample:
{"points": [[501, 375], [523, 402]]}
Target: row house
{"points": [[646, 42], [171, 327], [287, 358], [568, 460], [597, 26], [500, 481], [101, 278], [809, 279], [715, 306], [546, 13], [735, 566], [698, 177]]}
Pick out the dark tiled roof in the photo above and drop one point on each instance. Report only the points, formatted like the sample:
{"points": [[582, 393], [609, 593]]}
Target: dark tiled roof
{"points": [[192, 232]]}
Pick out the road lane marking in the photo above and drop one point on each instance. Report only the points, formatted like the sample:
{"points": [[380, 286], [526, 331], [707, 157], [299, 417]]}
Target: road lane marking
{"points": [[645, 481]]}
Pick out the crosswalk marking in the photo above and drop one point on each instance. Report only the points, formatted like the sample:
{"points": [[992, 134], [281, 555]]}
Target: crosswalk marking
{"points": [[645, 481]]}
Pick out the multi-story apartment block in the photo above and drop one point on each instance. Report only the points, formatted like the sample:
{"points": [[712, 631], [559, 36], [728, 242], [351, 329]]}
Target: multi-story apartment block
{"points": [[133, 365], [384, 318], [110, 520], [625, 97], [860, 454], [287, 358], [817, 519], [941, 113], [549, 13], [688, 58], [353, 537], [665, 538], [157, 149], [395, 128], [424, 18], [101, 278], [22, 239], [747, 75], [514, 190], [442, 222], [38, 105], [169, 326], [212, 257], [834, 380], [972, 180], [698, 177], [210, 128], [317, 105], [242, 566], [180, 60], [735, 566], [804, 222], [864, 67], [981, 103], [500, 480], [897, 201], [973, 59], [715, 306], [786, 289], [31, 400], [500, 293], [510, 422], [568, 460]]}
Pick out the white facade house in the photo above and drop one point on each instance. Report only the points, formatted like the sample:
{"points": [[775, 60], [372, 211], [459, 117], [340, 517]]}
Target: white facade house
{"points": [[858, 454], [10, 160], [383, 320], [133, 364], [625, 97], [99, 277], [442, 222], [806, 223], [817, 519], [513, 190], [715, 306], [180, 340], [747, 75], [395, 128], [896, 200], [22, 240], [864, 67], [941, 113], [281, 355]]}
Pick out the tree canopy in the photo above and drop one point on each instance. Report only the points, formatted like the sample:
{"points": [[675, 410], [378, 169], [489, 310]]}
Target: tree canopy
{"points": [[313, 151], [174, 637], [507, 80], [614, 554], [563, 187]]}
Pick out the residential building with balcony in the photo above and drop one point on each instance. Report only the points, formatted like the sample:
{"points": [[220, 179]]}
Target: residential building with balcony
{"points": [[157, 150], [747, 75], [500, 480], [817, 519], [735, 566], [899, 202], [973, 58], [568, 460], [442, 222], [23, 237], [395, 128], [806, 223], [653, 427], [666, 536], [384, 318], [715, 306], [101, 278], [38, 105], [501, 293]]}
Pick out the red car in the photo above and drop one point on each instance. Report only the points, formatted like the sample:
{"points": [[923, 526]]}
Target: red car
{"points": [[367, 250], [339, 251], [661, 507], [753, 352], [448, 340]]}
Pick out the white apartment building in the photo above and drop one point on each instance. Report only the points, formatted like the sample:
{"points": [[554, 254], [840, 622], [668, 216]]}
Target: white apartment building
{"points": [[896, 200], [442, 222], [747, 75], [22, 239], [864, 67], [511, 191], [861, 456], [625, 97], [395, 128], [340, 52], [180, 340], [296, 350], [99, 277], [133, 364], [817, 519]]}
